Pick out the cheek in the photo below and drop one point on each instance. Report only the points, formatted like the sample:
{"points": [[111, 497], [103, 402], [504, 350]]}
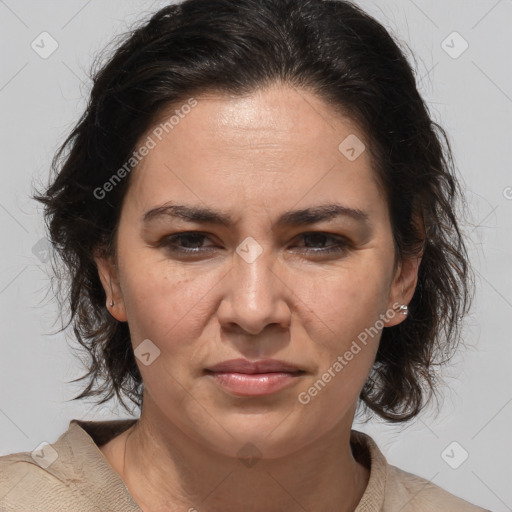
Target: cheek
{"points": [[345, 320], [343, 327], [169, 302], [163, 302], [348, 299]]}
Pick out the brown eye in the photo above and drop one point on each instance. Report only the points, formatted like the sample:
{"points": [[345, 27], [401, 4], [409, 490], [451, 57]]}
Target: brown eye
{"points": [[315, 239], [190, 242]]}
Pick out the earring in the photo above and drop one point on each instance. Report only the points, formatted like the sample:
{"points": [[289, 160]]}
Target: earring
{"points": [[111, 303], [403, 309]]}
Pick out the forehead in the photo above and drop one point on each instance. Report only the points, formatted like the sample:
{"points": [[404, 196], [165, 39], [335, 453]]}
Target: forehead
{"points": [[278, 143], [278, 117]]}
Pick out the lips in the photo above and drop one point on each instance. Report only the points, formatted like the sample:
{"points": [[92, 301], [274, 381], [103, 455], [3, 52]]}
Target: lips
{"points": [[250, 368], [244, 378]]}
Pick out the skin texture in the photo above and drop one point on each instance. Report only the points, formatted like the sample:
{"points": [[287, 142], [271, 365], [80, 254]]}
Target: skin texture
{"points": [[254, 157]]}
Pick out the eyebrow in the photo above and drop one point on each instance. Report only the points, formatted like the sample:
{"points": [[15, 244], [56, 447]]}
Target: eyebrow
{"points": [[206, 215]]}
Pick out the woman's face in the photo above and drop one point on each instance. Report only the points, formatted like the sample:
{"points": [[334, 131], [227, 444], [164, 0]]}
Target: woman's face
{"points": [[268, 284]]}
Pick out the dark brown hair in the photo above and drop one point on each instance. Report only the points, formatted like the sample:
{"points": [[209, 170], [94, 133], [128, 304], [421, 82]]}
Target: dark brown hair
{"points": [[330, 48]]}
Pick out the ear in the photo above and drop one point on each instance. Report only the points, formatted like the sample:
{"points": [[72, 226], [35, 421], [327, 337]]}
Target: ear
{"points": [[109, 276], [402, 289]]}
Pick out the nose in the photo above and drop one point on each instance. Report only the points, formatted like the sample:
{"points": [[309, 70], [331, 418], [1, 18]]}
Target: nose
{"points": [[255, 295]]}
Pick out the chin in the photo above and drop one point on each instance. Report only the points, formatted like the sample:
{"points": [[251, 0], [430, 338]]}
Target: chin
{"points": [[262, 437]]}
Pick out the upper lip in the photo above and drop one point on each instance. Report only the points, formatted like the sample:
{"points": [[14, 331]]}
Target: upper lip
{"points": [[262, 366]]}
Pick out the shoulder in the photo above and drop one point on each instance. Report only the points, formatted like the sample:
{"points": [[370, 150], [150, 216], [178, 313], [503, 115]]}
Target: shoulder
{"points": [[390, 488], [411, 492], [27, 485], [69, 474]]}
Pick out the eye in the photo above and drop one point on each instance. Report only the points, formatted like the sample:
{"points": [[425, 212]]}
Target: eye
{"points": [[189, 242], [192, 243], [319, 239]]}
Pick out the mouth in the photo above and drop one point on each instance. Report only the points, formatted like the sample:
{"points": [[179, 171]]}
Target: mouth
{"points": [[244, 378], [251, 367]]}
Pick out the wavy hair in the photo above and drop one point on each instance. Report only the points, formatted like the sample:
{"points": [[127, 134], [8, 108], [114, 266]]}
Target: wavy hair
{"points": [[330, 48]]}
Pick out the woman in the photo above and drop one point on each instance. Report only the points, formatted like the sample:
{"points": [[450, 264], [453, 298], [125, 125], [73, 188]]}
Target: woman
{"points": [[256, 214]]}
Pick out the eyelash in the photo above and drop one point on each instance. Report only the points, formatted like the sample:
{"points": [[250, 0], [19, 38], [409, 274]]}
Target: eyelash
{"points": [[169, 243]]}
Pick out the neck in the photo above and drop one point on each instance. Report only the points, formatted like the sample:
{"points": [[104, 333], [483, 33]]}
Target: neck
{"points": [[165, 469]]}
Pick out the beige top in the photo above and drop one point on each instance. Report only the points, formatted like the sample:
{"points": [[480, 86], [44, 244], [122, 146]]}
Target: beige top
{"points": [[72, 475]]}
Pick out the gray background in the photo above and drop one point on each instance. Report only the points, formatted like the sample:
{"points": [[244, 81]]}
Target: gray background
{"points": [[471, 96]]}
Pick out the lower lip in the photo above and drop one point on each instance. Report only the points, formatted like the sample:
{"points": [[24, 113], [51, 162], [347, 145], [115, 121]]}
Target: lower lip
{"points": [[257, 384]]}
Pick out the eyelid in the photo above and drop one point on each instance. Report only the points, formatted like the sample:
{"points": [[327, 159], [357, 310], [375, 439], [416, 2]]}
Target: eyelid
{"points": [[169, 239], [341, 244]]}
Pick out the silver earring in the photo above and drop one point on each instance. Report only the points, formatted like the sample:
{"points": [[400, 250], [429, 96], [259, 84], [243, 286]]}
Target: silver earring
{"points": [[111, 303], [403, 309]]}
